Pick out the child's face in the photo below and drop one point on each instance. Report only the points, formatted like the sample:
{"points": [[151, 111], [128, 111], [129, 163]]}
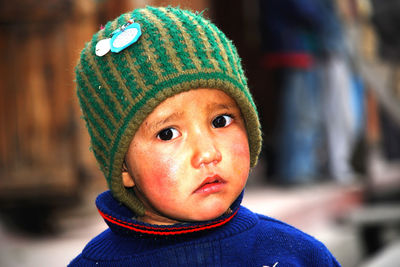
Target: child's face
{"points": [[190, 159]]}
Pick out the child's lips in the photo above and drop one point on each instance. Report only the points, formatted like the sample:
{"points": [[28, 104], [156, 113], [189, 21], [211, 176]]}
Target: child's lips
{"points": [[211, 184]]}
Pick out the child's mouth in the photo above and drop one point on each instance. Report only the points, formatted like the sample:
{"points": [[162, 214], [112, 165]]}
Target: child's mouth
{"points": [[210, 185]]}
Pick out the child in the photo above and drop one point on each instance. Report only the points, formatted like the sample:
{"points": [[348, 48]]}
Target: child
{"points": [[175, 131]]}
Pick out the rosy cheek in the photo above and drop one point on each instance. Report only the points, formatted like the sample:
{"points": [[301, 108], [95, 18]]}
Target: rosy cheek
{"points": [[241, 150], [241, 156], [162, 183], [240, 147], [163, 173]]}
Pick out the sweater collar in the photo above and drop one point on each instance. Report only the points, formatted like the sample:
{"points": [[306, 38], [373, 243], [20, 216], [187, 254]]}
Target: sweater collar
{"points": [[121, 220]]}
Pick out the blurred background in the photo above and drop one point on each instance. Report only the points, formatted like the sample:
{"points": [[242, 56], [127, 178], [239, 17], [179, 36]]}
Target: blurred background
{"points": [[325, 76]]}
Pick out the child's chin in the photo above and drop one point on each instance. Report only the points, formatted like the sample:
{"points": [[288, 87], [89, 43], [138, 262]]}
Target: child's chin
{"points": [[207, 215]]}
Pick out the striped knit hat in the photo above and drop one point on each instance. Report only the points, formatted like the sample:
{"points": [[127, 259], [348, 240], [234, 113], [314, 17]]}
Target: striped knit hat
{"points": [[177, 51]]}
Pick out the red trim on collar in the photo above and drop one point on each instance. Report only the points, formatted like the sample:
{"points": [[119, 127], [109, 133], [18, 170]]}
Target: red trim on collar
{"points": [[167, 230]]}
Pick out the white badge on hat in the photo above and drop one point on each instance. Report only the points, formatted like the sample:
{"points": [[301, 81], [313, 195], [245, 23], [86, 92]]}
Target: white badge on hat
{"points": [[103, 47]]}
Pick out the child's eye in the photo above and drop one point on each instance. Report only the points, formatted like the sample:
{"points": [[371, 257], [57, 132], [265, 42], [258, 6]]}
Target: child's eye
{"points": [[222, 121], [168, 134]]}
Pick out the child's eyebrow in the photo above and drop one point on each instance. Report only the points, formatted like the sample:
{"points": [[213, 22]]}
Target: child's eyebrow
{"points": [[217, 106], [157, 124]]}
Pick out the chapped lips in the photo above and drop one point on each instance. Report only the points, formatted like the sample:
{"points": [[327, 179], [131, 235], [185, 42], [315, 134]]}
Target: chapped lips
{"points": [[210, 184]]}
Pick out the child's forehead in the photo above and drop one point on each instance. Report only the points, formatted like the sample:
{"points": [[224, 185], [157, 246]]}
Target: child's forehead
{"points": [[176, 106], [204, 95], [208, 98]]}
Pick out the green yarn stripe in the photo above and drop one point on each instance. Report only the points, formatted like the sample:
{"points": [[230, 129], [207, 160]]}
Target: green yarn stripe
{"points": [[158, 44], [98, 147], [134, 78], [138, 76], [228, 52], [121, 95], [89, 93], [94, 119], [99, 138], [197, 41], [98, 82], [146, 60], [172, 63], [189, 48], [238, 61], [118, 66], [143, 64], [105, 76], [126, 81], [215, 49], [209, 50], [216, 33], [179, 46], [199, 77], [191, 72], [101, 141], [231, 57], [234, 58], [113, 79], [152, 59], [114, 89]]}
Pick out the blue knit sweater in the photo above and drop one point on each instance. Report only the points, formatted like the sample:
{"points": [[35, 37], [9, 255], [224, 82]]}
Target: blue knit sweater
{"points": [[241, 238]]}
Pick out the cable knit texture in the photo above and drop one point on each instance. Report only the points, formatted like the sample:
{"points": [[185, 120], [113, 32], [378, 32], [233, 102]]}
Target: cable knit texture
{"points": [[247, 239], [177, 51]]}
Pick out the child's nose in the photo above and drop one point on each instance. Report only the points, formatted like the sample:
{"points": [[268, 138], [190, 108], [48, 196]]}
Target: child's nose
{"points": [[205, 152]]}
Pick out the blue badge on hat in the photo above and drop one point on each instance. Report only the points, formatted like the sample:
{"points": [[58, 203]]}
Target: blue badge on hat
{"points": [[120, 39], [126, 35]]}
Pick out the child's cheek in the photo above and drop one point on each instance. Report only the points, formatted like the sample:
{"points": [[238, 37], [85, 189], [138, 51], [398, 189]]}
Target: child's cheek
{"points": [[241, 150], [164, 173], [240, 155], [240, 147], [164, 183]]}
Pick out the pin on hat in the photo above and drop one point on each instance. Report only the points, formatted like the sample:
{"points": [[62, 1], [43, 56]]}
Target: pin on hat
{"points": [[103, 47], [120, 39]]}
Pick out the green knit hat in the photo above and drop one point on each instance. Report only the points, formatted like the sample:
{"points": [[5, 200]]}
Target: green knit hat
{"points": [[177, 51]]}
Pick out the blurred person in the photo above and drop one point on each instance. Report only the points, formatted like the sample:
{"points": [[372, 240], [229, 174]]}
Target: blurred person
{"points": [[175, 131], [303, 45], [341, 95], [287, 45]]}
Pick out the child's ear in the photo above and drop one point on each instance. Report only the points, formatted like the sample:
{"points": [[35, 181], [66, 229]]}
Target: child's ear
{"points": [[127, 179]]}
